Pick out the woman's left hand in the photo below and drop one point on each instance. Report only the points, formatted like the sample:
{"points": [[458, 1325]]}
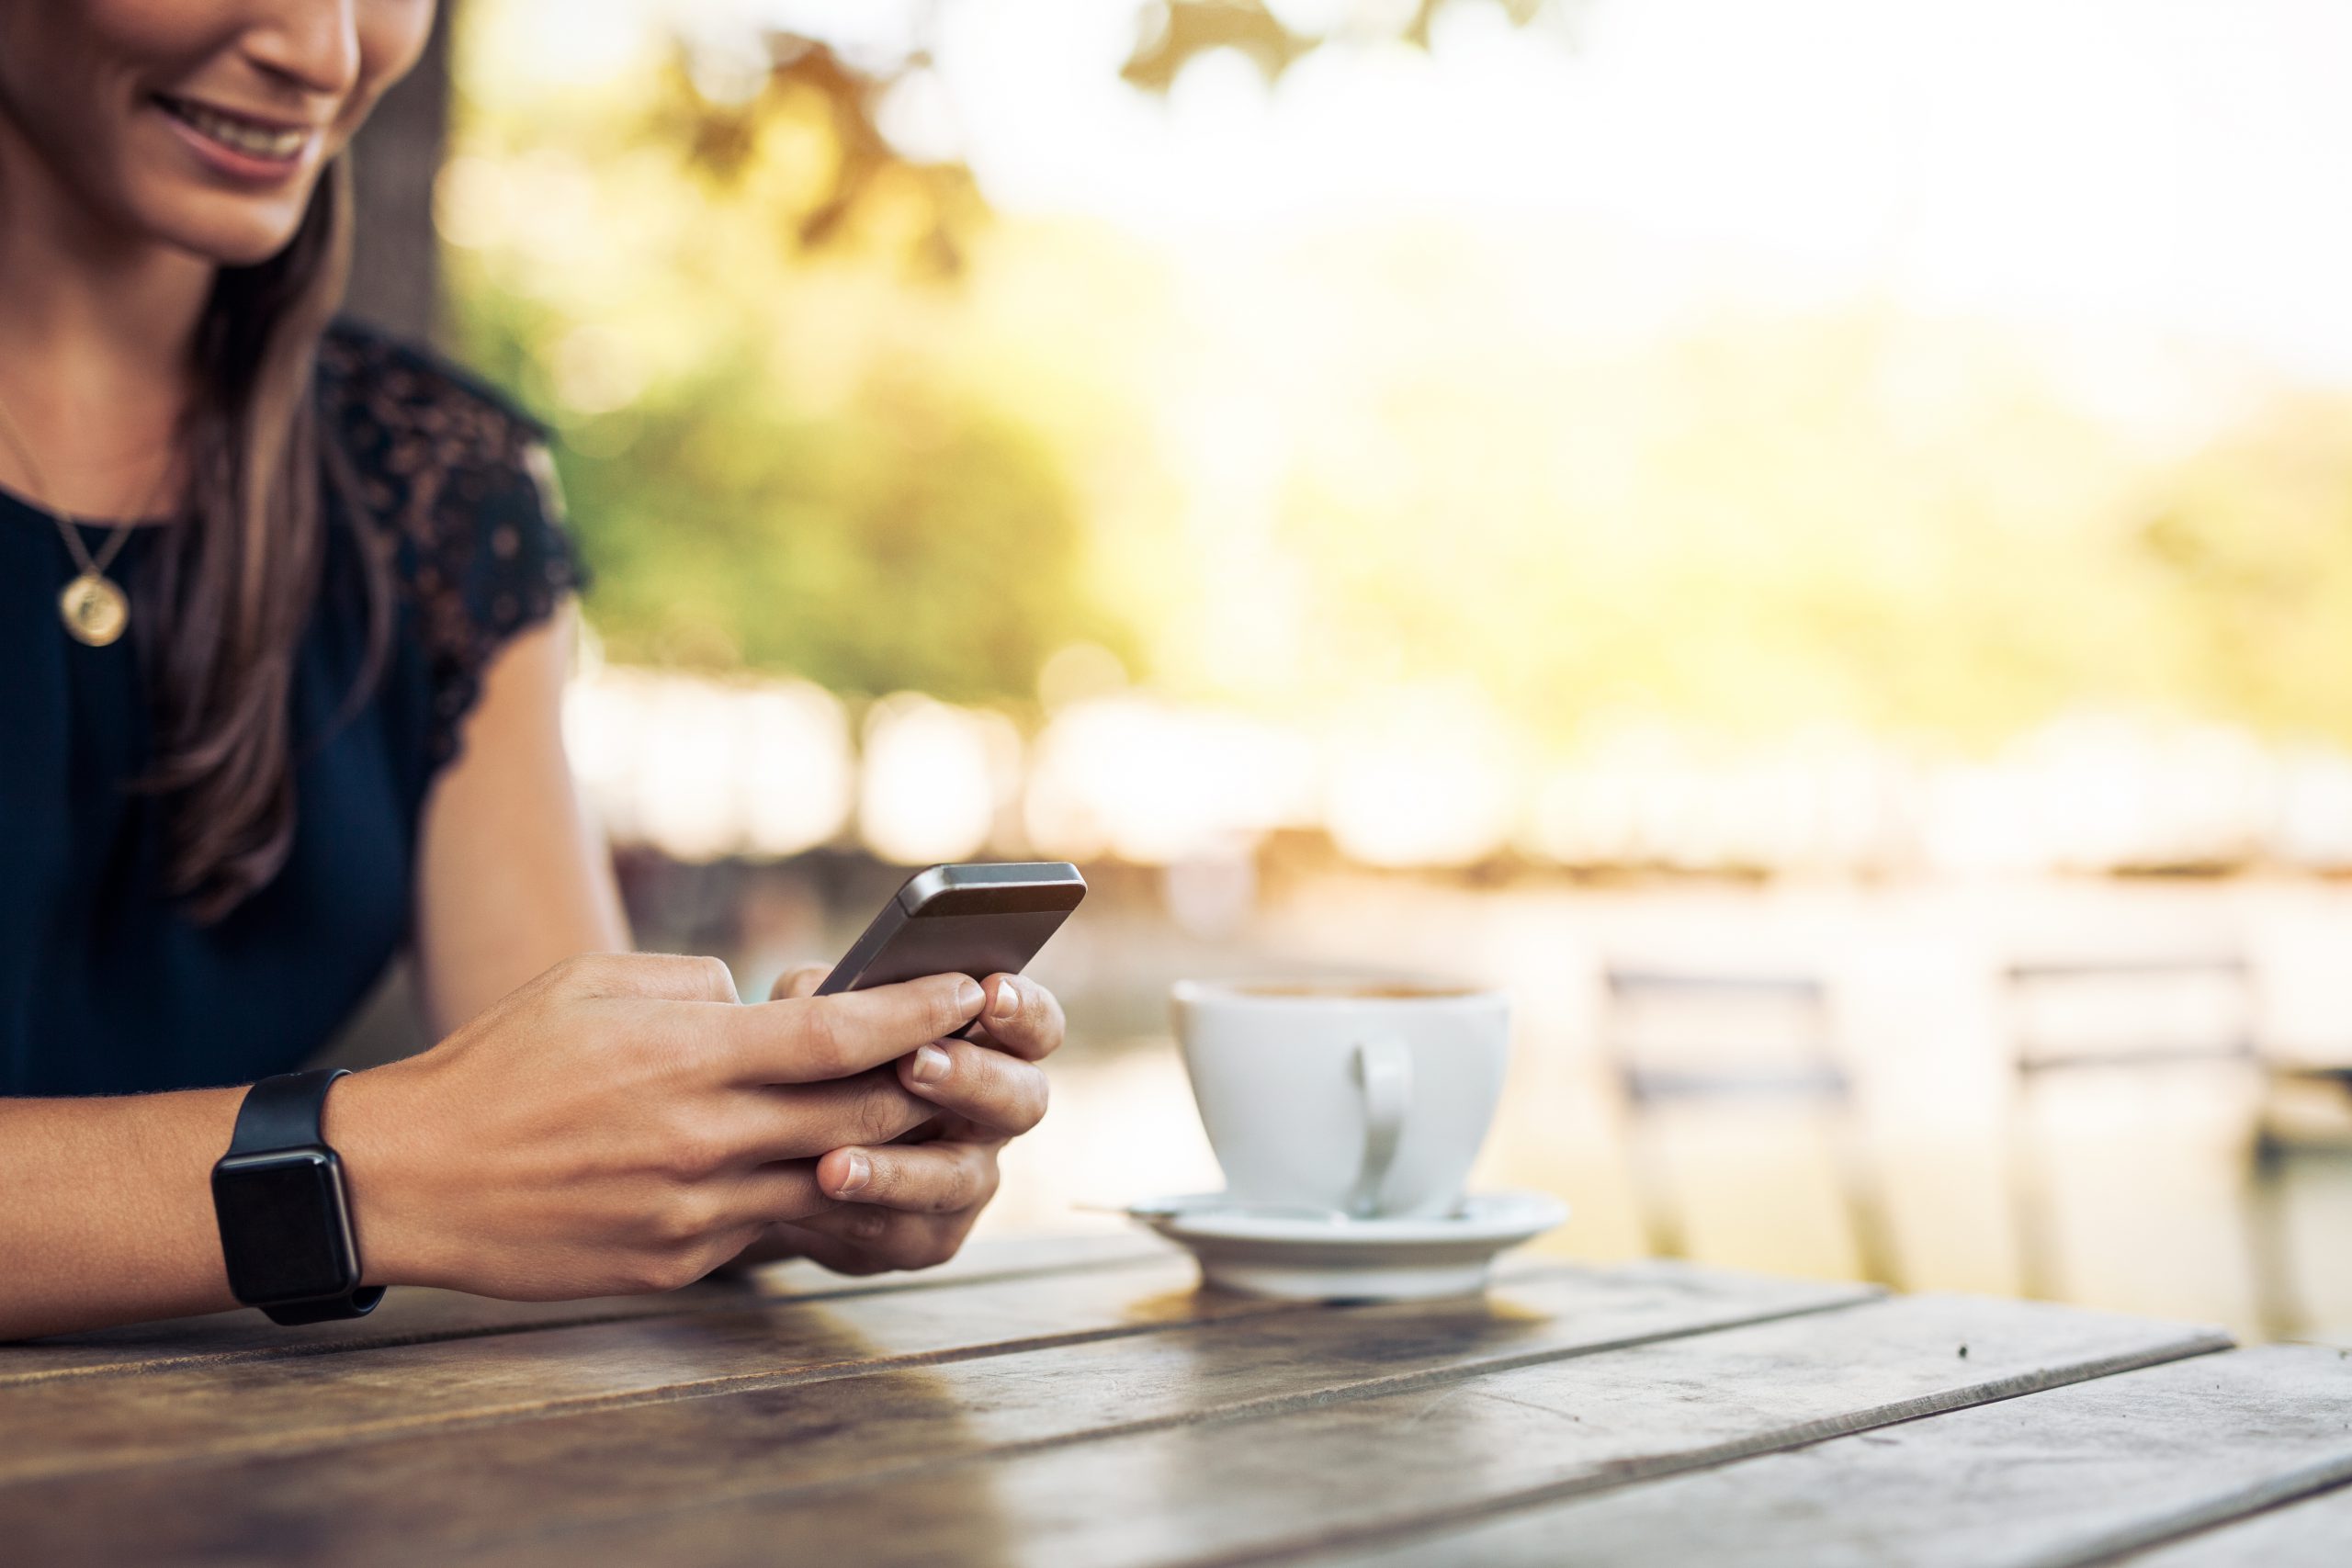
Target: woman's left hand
{"points": [[909, 1205]]}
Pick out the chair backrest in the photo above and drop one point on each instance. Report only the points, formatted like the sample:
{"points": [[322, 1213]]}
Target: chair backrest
{"points": [[2096, 1013], [1691, 1035]]}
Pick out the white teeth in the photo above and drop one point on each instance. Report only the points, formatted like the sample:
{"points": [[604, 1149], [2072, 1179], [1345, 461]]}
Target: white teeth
{"points": [[259, 140]]}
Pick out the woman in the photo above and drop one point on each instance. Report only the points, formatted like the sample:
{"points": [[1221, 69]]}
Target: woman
{"points": [[299, 709]]}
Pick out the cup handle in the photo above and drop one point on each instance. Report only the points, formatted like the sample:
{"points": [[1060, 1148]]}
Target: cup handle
{"points": [[1384, 1070]]}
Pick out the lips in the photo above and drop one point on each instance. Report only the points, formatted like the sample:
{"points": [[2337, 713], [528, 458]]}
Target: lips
{"points": [[274, 143]]}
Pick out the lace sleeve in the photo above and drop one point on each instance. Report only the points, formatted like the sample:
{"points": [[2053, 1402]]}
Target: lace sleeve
{"points": [[466, 488], [502, 565]]}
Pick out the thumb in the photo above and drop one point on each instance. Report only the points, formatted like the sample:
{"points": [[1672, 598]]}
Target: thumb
{"points": [[800, 981]]}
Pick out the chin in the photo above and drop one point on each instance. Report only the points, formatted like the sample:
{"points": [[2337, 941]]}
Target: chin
{"points": [[226, 229]]}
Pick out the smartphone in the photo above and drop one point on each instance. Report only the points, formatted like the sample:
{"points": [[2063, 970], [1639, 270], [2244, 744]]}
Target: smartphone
{"points": [[972, 919]]}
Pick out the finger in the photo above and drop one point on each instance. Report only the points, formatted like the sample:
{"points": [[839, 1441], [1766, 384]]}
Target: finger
{"points": [[812, 1038], [804, 1120], [832, 1252], [772, 1244], [873, 1239], [1021, 1017], [784, 1192], [890, 1238], [665, 977], [1000, 1092], [801, 980], [928, 1178]]}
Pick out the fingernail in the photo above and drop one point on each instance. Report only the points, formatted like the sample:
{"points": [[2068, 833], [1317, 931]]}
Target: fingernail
{"points": [[968, 994], [930, 1065], [861, 1171], [1008, 998]]}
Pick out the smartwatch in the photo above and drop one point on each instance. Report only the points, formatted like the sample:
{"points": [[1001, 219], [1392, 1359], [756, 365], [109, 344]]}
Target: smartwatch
{"points": [[285, 1220]]}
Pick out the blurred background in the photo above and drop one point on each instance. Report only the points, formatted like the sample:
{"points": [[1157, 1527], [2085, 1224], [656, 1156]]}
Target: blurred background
{"points": [[1811, 541]]}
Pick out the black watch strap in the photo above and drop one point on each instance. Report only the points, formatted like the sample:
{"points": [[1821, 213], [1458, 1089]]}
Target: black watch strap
{"points": [[359, 1303], [285, 1112]]}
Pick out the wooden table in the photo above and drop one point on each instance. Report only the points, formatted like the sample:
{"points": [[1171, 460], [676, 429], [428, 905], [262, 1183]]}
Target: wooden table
{"points": [[1080, 1402]]}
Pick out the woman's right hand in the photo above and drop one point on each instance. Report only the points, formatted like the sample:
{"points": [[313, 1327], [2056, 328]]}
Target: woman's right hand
{"points": [[621, 1123]]}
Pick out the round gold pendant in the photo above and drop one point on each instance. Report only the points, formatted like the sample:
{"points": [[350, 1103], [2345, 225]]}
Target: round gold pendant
{"points": [[95, 610]]}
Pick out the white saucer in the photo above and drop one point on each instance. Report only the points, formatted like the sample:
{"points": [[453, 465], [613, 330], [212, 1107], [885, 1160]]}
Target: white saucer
{"points": [[1300, 1257]]}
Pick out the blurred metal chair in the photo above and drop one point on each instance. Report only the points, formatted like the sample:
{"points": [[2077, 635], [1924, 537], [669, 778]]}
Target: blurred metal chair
{"points": [[2072, 1017], [1686, 1037], [2306, 1117]]}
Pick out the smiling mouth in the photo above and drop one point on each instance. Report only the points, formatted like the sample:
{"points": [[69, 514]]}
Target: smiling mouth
{"points": [[252, 139]]}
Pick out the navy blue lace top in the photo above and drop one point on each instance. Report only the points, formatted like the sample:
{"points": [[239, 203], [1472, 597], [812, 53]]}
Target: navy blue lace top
{"points": [[107, 984]]}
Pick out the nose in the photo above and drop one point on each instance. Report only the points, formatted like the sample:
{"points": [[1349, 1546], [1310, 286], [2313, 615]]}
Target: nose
{"points": [[312, 44]]}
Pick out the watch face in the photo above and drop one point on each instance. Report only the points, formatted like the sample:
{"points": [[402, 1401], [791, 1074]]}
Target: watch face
{"points": [[282, 1227]]}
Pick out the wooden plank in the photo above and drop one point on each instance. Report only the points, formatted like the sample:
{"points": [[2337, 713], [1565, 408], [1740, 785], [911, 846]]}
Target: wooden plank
{"points": [[2315, 1532], [64, 1426], [1258, 1482], [2072, 1476], [412, 1316], [611, 1463]]}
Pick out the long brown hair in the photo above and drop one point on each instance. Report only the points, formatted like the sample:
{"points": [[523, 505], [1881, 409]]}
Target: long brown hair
{"points": [[236, 577]]}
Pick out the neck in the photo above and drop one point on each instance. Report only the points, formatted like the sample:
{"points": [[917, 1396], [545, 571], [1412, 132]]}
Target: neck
{"points": [[96, 328]]}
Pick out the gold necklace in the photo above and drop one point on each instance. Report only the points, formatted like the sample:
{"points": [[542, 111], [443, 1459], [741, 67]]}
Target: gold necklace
{"points": [[93, 607]]}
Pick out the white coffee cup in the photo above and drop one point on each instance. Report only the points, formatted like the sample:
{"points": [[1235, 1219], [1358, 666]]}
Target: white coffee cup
{"points": [[1367, 1097]]}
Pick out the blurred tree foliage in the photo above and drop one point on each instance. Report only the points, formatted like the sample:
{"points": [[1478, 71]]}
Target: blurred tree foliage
{"points": [[904, 531], [716, 288], [1274, 38], [2248, 547], [822, 412], [901, 532]]}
